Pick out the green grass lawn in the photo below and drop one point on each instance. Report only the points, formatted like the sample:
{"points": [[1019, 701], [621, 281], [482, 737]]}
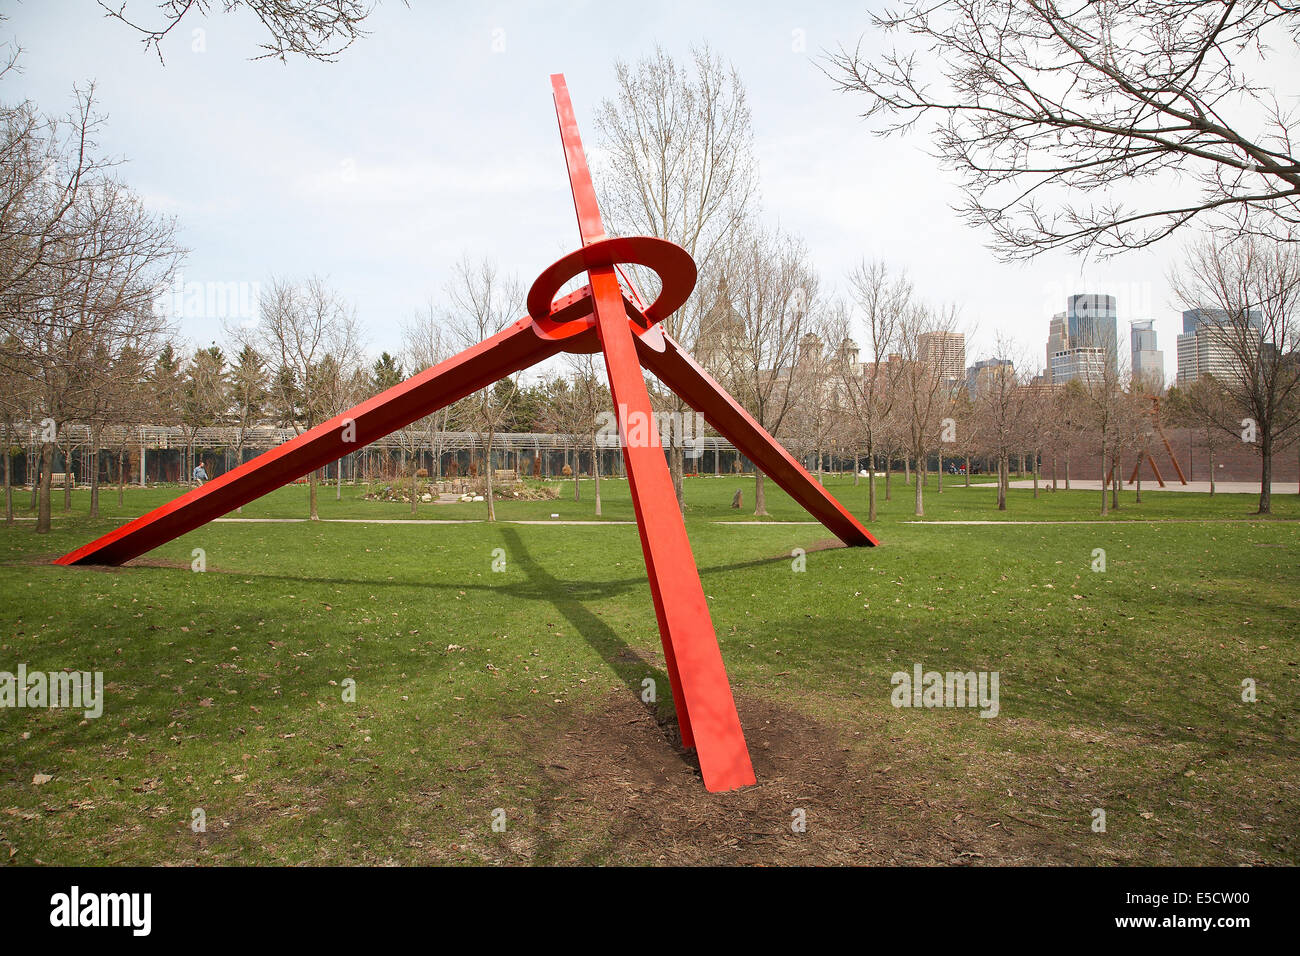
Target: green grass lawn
{"points": [[520, 691]]}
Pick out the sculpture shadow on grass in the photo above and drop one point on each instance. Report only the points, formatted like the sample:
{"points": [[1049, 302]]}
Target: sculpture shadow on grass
{"points": [[571, 600]]}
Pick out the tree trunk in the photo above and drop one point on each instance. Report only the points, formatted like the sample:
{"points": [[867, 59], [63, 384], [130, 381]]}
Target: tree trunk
{"points": [[415, 498], [9, 465], [919, 510], [487, 478], [1115, 469], [94, 475], [889, 473], [677, 465], [939, 475], [1036, 474], [1104, 510], [760, 495], [1209, 444], [871, 490], [1266, 473], [123, 461], [968, 471], [907, 470], [311, 495], [1053, 469], [871, 483], [67, 475], [43, 493], [595, 472], [1067, 472], [1004, 473]]}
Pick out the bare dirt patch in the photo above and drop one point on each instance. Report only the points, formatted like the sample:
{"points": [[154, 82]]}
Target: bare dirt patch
{"points": [[619, 790]]}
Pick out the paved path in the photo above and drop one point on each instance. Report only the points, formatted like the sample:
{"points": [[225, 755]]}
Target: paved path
{"points": [[406, 521], [1221, 487], [1119, 521]]}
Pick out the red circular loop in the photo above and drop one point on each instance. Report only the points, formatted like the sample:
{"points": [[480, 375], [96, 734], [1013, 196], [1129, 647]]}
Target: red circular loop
{"points": [[674, 265]]}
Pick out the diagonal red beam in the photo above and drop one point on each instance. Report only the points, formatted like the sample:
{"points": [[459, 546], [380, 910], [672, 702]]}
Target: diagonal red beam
{"points": [[515, 348], [702, 694], [676, 369]]}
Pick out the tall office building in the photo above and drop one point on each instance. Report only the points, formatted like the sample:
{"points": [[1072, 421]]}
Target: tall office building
{"points": [[988, 375], [1091, 323], [1148, 361], [1058, 340], [1081, 340], [947, 352], [1211, 344], [1088, 364]]}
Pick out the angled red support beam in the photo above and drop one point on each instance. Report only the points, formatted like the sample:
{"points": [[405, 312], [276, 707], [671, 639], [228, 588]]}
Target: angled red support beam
{"points": [[681, 373], [705, 708], [515, 348]]}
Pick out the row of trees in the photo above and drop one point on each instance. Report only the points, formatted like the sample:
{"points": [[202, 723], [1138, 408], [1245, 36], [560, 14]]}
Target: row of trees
{"points": [[81, 257], [790, 355]]}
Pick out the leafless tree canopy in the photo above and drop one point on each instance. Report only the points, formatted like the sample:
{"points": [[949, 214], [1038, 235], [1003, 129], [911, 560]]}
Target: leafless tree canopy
{"points": [[1060, 117], [679, 148], [316, 29], [1253, 285], [680, 166], [482, 302]]}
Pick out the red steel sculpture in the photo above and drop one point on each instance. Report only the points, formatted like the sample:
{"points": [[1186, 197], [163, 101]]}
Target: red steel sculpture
{"points": [[597, 317]]}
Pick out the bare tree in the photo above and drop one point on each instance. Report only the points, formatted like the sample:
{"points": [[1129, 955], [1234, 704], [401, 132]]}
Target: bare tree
{"points": [[315, 29], [45, 161], [589, 398], [923, 390], [1099, 406], [1060, 117], [205, 399], [1203, 406], [882, 300], [1003, 407], [816, 409], [126, 406], [89, 297], [680, 166], [482, 302], [248, 395], [425, 341], [13, 406], [761, 315], [1251, 286], [304, 330]]}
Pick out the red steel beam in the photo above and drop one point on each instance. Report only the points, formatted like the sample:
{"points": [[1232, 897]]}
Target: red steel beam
{"points": [[683, 375], [705, 707], [515, 348]]}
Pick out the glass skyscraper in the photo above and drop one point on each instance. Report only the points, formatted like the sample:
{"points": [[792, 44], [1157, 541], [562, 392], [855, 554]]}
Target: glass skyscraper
{"points": [[1091, 323]]}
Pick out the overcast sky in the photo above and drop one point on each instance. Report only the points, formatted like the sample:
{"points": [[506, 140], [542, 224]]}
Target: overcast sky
{"points": [[435, 136]]}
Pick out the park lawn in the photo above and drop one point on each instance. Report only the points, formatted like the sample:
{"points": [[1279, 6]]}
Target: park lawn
{"points": [[520, 691]]}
